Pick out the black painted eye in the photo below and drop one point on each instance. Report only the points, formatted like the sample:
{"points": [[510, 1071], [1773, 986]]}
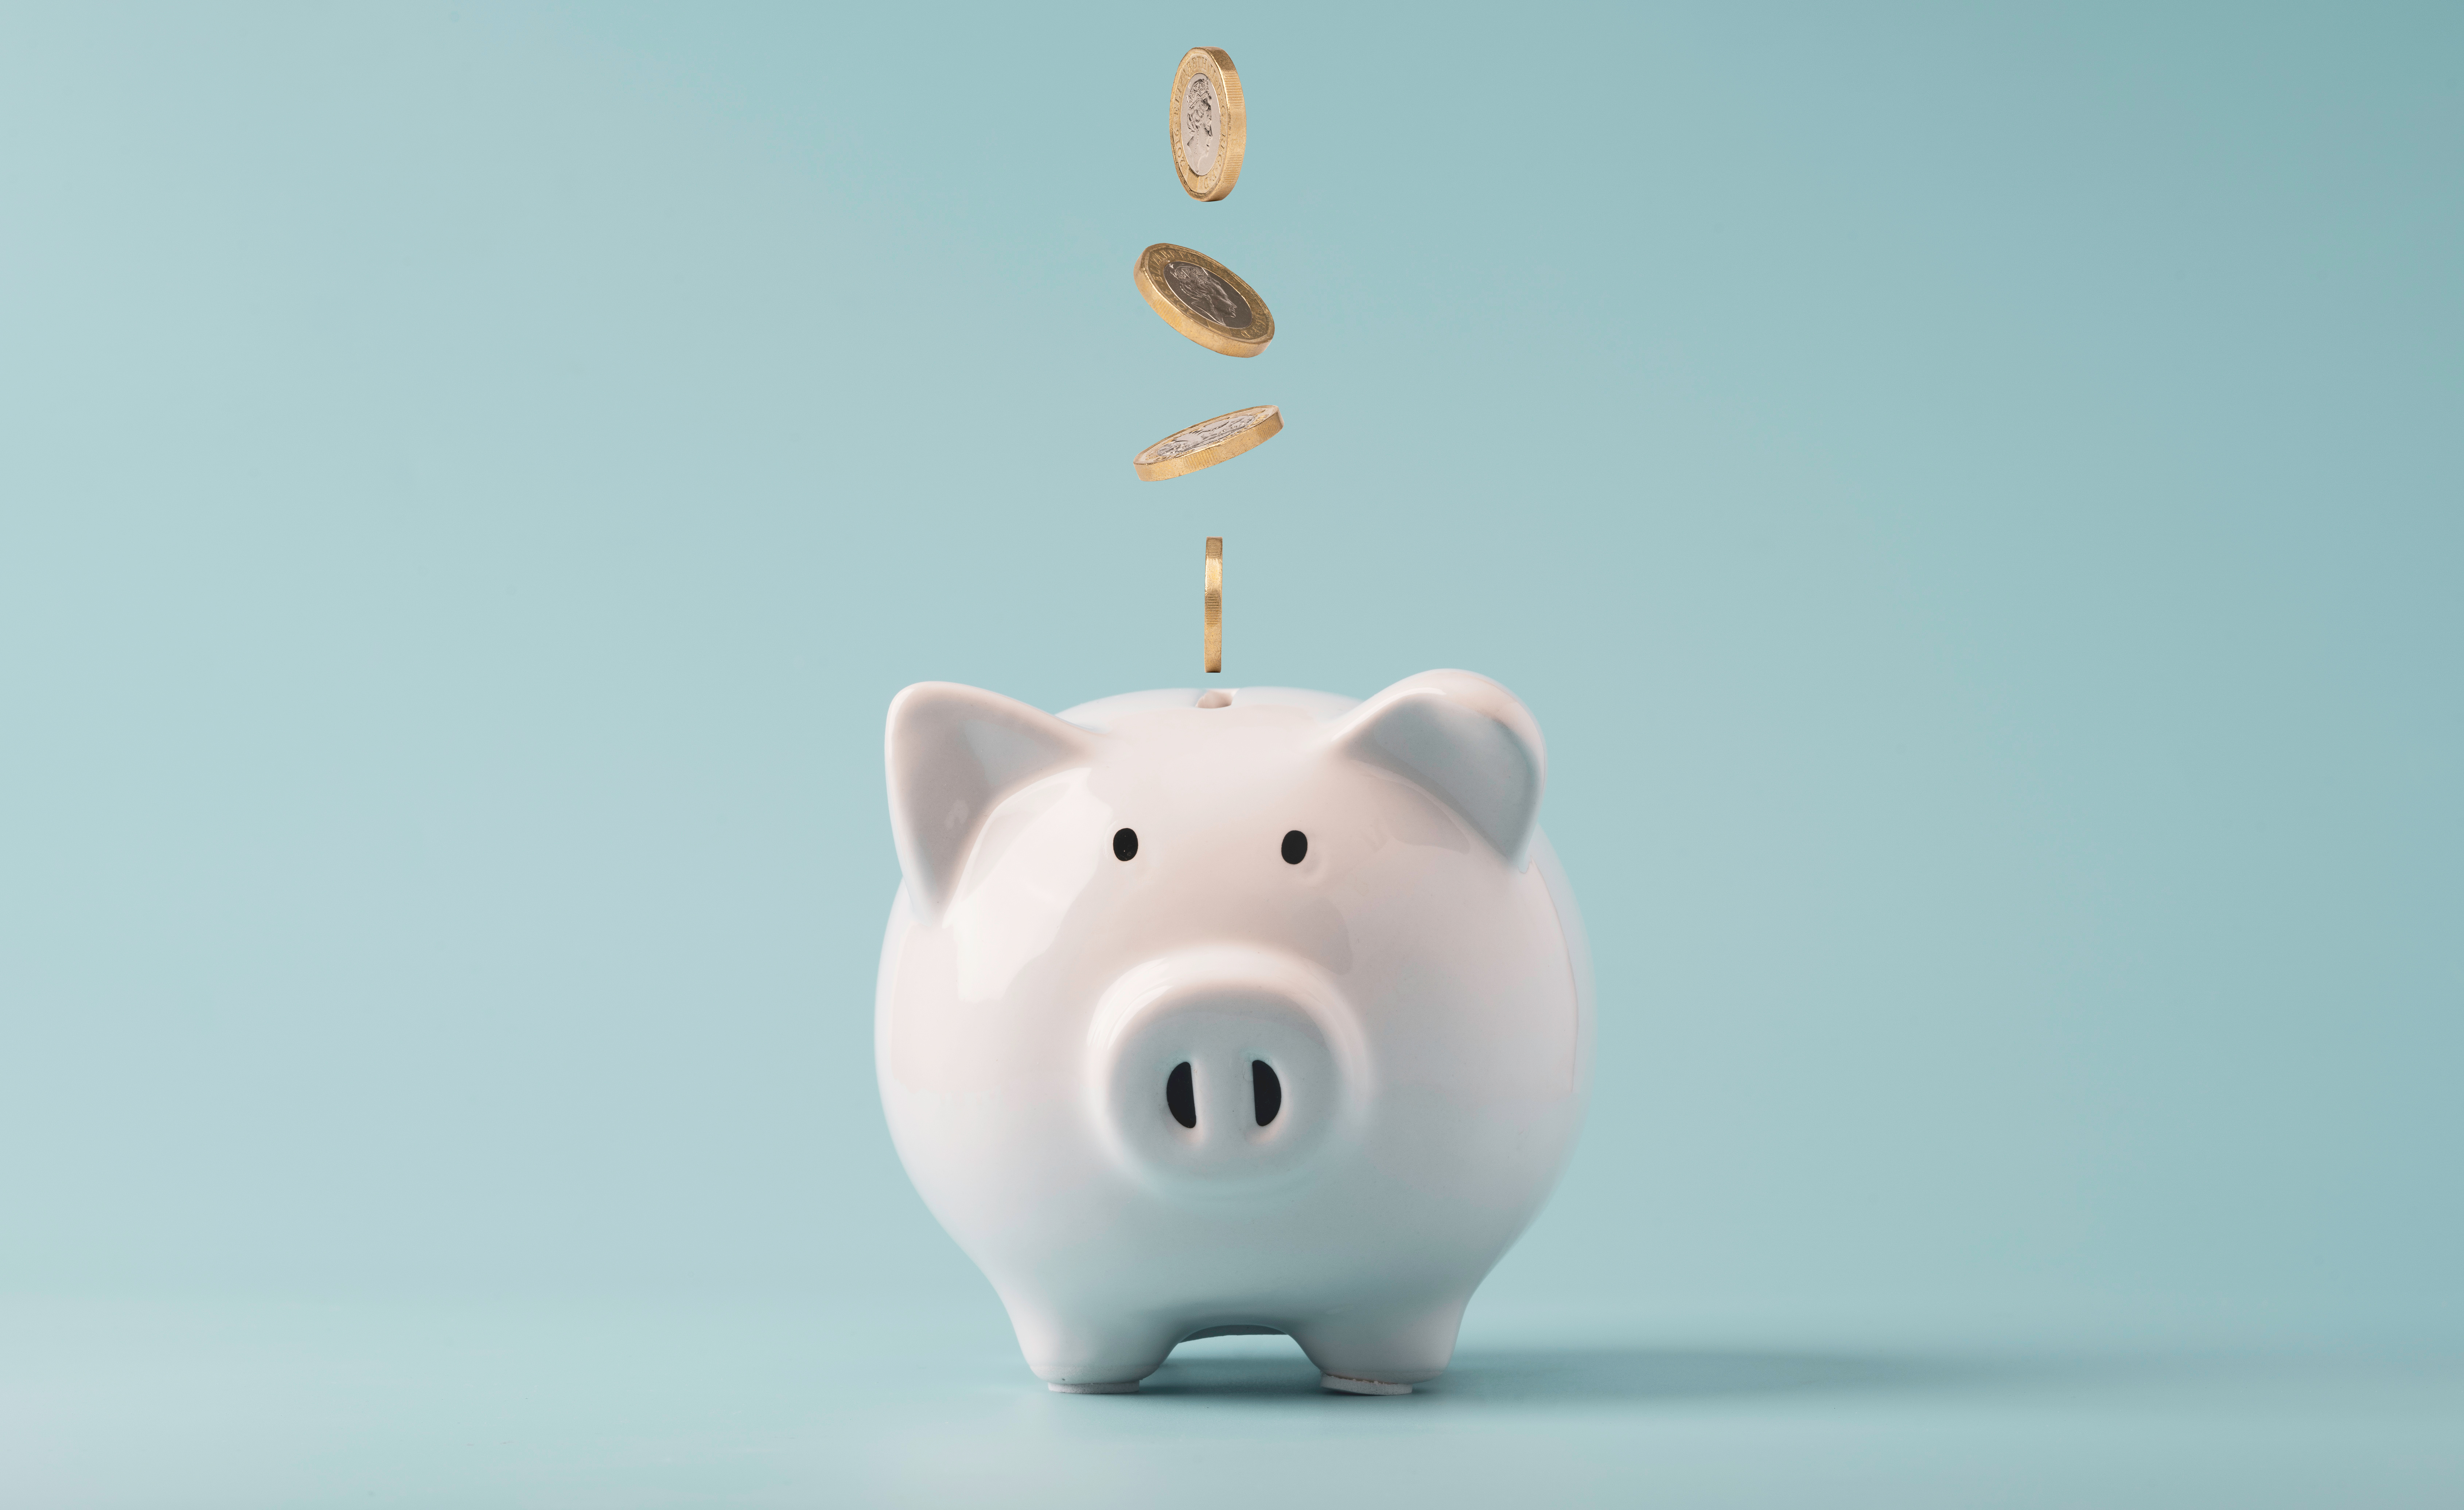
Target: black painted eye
{"points": [[1124, 845], [1295, 846]]}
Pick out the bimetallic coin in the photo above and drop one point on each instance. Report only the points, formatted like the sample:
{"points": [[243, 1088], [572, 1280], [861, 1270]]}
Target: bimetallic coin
{"points": [[1209, 127], [1215, 602], [1203, 299], [1208, 441]]}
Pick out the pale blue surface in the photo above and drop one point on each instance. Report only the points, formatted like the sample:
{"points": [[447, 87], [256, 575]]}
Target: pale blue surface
{"points": [[267, 1407], [1972, 501]]}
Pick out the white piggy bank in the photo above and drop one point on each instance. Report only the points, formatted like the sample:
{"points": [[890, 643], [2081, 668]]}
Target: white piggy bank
{"points": [[1252, 1011]]}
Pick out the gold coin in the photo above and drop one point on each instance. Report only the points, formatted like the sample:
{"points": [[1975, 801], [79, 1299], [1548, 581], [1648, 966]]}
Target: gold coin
{"points": [[1208, 441], [1209, 127], [1203, 299], [1215, 602]]}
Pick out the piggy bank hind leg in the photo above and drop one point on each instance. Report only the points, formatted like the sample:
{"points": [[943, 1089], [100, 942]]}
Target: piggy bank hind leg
{"points": [[1080, 1353], [1385, 1351]]}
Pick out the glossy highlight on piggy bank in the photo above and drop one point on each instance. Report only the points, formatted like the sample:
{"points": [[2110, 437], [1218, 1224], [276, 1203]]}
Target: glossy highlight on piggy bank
{"points": [[1264, 1010]]}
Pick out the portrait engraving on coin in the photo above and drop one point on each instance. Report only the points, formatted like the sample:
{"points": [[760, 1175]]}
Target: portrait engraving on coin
{"points": [[1198, 135], [1208, 295], [1198, 437]]}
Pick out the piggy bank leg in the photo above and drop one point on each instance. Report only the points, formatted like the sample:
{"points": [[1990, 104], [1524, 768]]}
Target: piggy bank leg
{"points": [[1082, 1354], [1386, 1352]]}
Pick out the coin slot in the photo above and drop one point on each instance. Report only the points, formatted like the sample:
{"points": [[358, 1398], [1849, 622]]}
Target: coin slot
{"points": [[1215, 700], [1124, 845], [1295, 847], [1265, 1091], [1180, 1094]]}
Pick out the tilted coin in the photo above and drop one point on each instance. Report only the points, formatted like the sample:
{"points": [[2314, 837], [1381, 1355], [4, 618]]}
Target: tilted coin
{"points": [[1208, 441], [1215, 602], [1203, 299], [1209, 127]]}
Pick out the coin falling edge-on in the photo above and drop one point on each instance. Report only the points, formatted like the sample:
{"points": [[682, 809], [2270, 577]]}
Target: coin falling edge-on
{"points": [[1215, 602]]}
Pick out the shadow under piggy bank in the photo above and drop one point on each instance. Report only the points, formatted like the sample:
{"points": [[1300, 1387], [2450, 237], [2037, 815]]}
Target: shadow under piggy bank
{"points": [[1573, 1375]]}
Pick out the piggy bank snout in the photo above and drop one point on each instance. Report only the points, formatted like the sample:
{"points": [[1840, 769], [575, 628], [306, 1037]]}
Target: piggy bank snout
{"points": [[1224, 1070]]}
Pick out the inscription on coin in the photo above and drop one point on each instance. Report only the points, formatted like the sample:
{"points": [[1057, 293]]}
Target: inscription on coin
{"points": [[1198, 437], [1199, 139], [1207, 295], [1208, 443]]}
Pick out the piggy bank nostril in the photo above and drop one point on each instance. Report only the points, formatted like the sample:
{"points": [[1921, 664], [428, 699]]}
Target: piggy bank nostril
{"points": [[1265, 1091], [1180, 1096]]}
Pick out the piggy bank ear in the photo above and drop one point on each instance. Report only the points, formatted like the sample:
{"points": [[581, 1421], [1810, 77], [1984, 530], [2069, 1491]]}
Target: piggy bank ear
{"points": [[955, 753], [1467, 741]]}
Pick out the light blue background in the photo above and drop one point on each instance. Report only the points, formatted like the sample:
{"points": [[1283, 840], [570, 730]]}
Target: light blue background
{"points": [[1972, 500]]}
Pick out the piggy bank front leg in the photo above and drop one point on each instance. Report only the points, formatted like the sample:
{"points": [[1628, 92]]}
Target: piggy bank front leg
{"points": [[1385, 1351], [1077, 1353]]}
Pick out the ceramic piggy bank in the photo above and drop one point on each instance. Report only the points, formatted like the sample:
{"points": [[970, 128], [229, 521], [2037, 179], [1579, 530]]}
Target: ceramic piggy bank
{"points": [[1256, 1011]]}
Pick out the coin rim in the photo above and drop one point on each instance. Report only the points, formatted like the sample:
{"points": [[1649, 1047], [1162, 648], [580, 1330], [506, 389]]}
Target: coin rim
{"points": [[1166, 303], [1268, 426], [1234, 139], [1215, 602]]}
